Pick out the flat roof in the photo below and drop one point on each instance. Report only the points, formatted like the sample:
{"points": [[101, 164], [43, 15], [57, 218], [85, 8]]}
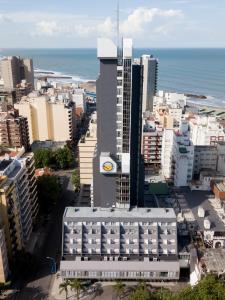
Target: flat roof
{"points": [[193, 199], [214, 260], [120, 265], [137, 213]]}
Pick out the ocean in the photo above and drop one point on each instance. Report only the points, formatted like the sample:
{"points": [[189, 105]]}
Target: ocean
{"points": [[196, 71]]}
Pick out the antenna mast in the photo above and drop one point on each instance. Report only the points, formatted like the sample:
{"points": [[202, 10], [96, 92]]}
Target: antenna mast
{"points": [[118, 24]]}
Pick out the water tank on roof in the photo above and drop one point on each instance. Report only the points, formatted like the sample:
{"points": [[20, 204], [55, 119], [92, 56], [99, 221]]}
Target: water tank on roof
{"points": [[207, 224], [201, 212]]}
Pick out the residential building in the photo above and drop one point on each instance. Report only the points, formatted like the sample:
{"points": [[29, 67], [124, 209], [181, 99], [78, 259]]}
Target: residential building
{"points": [[14, 130], [87, 146], [20, 184], [170, 99], [206, 131], [106, 243], [14, 70], [150, 78], [117, 164], [10, 215], [23, 89], [43, 114], [4, 266], [152, 144], [177, 156], [205, 157]]}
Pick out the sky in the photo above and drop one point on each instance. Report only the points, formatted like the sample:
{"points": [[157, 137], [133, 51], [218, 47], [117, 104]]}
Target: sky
{"points": [[78, 23]]}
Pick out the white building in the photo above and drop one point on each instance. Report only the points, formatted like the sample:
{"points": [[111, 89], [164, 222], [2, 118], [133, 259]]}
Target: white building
{"points": [[177, 156], [206, 131], [100, 243]]}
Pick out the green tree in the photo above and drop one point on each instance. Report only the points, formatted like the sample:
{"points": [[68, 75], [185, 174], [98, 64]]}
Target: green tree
{"points": [[75, 284], [64, 287], [140, 293], [63, 157], [48, 192], [75, 179], [43, 158], [119, 288]]}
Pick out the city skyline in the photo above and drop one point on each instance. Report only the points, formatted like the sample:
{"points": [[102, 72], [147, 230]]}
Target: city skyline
{"points": [[162, 24]]}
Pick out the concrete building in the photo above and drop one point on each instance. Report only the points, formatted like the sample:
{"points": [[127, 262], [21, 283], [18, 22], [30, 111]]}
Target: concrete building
{"points": [[10, 216], [4, 266], [117, 164], [206, 131], [19, 173], [120, 244], [87, 146], [23, 89], [177, 156], [43, 115], [152, 144], [205, 157], [14, 130], [14, 70], [150, 78], [170, 99]]}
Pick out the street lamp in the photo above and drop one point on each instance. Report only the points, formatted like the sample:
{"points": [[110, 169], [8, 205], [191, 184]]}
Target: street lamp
{"points": [[53, 269]]}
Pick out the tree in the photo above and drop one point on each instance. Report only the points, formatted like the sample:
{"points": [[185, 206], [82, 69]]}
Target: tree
{"points": [[63, 287], [75, 179], [76, 285], [140, 293], [119, 288], [48, 192], [43, 158], [63, 157]]}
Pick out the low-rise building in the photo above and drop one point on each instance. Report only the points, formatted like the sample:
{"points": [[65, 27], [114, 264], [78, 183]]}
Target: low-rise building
{"points": [[139, 243]]}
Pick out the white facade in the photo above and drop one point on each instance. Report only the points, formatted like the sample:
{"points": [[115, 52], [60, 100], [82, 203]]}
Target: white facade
{"points": [[177, 157], [206, 131]]}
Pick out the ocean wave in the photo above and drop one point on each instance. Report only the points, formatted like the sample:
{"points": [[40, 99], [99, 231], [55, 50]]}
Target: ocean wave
{"points": [[59, 76]]}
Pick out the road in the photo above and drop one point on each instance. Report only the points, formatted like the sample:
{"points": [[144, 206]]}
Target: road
{"points": [[39, 287]]}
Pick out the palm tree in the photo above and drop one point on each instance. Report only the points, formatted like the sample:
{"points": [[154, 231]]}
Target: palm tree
{"points": [[119, 288], [63, 287], [75, 284]]}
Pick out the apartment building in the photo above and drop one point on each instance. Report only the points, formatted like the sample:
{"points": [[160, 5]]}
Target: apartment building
{"points": [[10, 213], [152, 144], [87, 146], [48, 118], [14, 130], [150, 79], [106, 243], [170, 99], [206, 131], [4, 266], [177, 156], [205, 157], [15, 69], [23, 89], [19, 173]]}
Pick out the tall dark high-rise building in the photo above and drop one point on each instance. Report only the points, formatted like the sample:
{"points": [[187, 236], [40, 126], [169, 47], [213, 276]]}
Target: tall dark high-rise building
{"points": [[118, 175], [150, 78]]}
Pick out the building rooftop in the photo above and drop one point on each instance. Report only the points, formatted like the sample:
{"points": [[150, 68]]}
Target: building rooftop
{"points": [[4, 164], [120, 265], [214, 260], [136, 213]]}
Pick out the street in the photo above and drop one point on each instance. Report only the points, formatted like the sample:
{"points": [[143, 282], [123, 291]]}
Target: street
{"points": [[39, 287]]}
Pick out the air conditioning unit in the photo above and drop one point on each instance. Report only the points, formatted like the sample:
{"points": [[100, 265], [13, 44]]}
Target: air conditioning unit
{"points": [[124, 258]]}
